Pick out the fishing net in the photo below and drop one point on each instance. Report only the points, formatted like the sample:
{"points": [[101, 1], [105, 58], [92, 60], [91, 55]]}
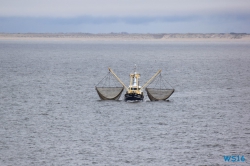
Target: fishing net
{"points": [[159, 90], [109, 93], [109, 88], [159, 94]]}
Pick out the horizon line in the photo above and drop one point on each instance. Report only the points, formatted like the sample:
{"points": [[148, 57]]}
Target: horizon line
{"points": [[123, 33]]}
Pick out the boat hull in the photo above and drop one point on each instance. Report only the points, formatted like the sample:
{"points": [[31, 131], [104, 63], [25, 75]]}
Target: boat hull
{"points": [[133, 97]]}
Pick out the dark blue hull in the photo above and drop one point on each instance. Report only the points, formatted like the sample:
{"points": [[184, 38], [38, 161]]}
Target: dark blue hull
{"points": [[133, 97]]}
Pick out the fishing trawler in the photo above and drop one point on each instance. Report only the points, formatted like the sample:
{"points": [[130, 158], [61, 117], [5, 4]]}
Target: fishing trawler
{"points": [[134, 92]]}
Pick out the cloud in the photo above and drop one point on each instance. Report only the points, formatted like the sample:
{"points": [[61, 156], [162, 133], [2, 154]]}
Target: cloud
{"points": [[120, 8], [163, 24], [126, 20], [97, 16]]}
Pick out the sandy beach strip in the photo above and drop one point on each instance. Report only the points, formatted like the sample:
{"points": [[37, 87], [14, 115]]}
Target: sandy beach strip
{"points": [[231, 37]]}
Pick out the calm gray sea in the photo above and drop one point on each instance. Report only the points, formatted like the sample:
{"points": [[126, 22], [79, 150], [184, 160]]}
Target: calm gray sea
{"points": [[50, 113]]}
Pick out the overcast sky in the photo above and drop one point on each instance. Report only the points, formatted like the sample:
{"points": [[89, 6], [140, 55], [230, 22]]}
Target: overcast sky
{"points": [[132, 16]]}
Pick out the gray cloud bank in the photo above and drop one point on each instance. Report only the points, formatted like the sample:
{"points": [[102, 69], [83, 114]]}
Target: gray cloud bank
{"points": [[133, 16], [90, 24], [121, 8]]}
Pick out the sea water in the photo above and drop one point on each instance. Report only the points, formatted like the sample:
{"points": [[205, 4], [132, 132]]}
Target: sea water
{"points": [[50, 113]]}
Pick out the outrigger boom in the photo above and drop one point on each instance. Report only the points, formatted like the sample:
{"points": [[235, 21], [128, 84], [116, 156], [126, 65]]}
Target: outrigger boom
{"points": [[118, 79], [134, 92], [151, 79]]}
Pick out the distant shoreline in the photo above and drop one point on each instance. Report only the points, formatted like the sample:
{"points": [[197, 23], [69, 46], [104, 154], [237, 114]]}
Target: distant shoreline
{"points": [[128, 37]]}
